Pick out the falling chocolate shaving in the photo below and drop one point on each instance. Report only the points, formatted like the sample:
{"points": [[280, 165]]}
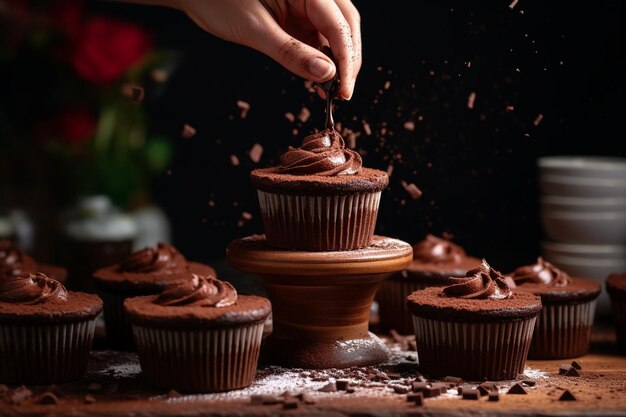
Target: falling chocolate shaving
{"points": [[516, 389], [567, 396], [471, 394], [494, 396], [577, 365], [412, 190], [188, 131], [48, 398]]}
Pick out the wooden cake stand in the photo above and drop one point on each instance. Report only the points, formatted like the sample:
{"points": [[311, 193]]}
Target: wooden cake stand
{"points": [[321, 300]]}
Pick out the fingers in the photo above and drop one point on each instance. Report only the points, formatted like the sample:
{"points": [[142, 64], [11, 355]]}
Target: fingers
{"points": [[330, 21], [353, 18], [265, 35]]}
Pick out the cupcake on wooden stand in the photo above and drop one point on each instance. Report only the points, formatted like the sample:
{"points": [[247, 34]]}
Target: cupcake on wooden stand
{"points": [[319, 259]]}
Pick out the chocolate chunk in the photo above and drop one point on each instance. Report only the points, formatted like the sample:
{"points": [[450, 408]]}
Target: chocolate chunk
{"points": [[418, 398], [491, 386], [455, 380], [516, 389], [290, 404], [265, 399], [350, 390], [48, 398], [461, 388], [94, 387], [20, 394], [89, 399], [188, 131], [483, 390], [471, 394], [410, 358], [441, 386], [577, 365], [330, 387], [567, 396], [494, 396], [529, 382], [400, 389], [410, 397], [419, 386], [342, 384], [431, 392], [174, 394], [568, 370]]}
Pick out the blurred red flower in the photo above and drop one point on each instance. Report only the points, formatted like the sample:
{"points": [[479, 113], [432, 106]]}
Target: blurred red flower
{"points": [[72, 126], [106, 48]]}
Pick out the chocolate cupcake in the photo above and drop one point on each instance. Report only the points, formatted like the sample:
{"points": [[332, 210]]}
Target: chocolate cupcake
{"points": [[563, 329], [616, 287], [15, 262], [320, 198], [144, 272], [476, 328], [198, 335], [46, 332], [435, 260]]}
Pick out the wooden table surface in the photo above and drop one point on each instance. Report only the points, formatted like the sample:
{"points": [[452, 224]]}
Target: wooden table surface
{"points": [[113, 387]]}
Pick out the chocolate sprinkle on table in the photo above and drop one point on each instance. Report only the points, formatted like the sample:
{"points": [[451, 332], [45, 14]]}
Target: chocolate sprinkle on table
{"points": [[516, 389]]}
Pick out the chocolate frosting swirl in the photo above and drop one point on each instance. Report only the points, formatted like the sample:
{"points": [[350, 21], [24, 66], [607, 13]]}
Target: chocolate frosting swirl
{"points": [[323, 153], [480, 283], [14, 261], [201, 291], [31, 289], [541, 272], [162, 258], [436, 250]]}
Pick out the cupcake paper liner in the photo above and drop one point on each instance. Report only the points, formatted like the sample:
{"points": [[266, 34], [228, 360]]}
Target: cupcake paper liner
{"points": [[45, 354], [119, 333], [563, 331], [319, 223], [211, 360], [618, 308], [473, 351], [393, 312]]}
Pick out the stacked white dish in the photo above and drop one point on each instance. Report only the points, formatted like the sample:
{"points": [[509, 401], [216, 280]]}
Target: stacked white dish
{"points": [[583, 214]]}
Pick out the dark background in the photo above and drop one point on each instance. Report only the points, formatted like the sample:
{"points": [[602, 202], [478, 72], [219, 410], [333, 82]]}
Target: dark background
{"points": [[476, 167]]}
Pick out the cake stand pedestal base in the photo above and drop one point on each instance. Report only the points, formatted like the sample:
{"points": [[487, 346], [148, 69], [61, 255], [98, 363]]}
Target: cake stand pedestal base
{"points": [[321, 301]]}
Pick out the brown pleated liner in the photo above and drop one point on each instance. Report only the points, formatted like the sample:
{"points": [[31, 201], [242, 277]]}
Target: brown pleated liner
{"points": [[393, 312], [618, 309], [563, 331], [211, 360], [473, 351], [45, 354], [119, 334], [319, 223]]}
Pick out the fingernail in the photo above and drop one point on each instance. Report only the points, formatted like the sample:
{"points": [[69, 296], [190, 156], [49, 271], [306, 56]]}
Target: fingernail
{"points": [[320, 69]]}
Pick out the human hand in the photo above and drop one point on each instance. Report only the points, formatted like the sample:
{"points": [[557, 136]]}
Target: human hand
{"points": [[291, 32]]}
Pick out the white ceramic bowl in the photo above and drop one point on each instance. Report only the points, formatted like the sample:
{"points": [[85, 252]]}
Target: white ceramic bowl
{"points": [[611, 253], [587, 228], [583, 166], [581, 204], [571, 186], [595, 269]]}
